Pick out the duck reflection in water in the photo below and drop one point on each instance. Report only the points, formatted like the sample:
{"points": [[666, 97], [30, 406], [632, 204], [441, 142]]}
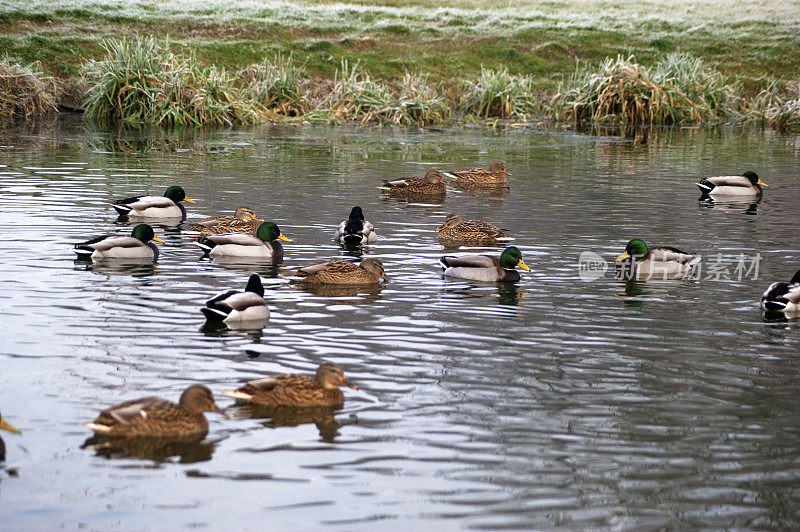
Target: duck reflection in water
{"points": [[110, 267], [188, 450], [727, 207], [288, 416]]}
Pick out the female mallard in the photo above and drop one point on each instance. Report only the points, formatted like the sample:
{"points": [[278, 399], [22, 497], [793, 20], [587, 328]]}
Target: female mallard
{"points": [[156, 417], [136, 246], [166, 206], [343, 272], [233, 307], [244, 220], [264, 244], [292, 390], [493, 176], [638, 261], [430, 185], [455, 232], [747, 184], [486, 267], [783, 297], [5, 425], [355, 230]]}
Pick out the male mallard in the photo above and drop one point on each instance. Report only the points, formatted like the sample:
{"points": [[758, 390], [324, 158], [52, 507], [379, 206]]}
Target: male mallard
{"points": [[783, 297], [5, 426], [355, 230], [156, 417], [244, 220], [638, 261], [235, 307], [343, 272], [455, 231], [486, 267], [430, 185], [747, 184], [493, 176], [264, 244], [296, 390], [166, 206], [136, 246]]}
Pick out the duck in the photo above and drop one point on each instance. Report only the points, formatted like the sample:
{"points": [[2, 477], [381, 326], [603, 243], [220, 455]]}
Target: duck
{"points": [[136, 246], [355, 230], [244, 220], [157, 417], [495, 175], [233, 306], [430, 185], [295, 390], [485, 267], [166, 206], [747, 184], [343, 272], [456, 231], [640, 261], [5, 425], [263, 244], [783, 297]]}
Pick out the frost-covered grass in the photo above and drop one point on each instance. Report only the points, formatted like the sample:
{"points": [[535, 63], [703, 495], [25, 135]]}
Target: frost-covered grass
{"points": [[25, 91], [496, 93]]}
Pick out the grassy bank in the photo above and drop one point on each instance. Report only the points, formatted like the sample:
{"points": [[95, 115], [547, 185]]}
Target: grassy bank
{"points": [[451, 45]]}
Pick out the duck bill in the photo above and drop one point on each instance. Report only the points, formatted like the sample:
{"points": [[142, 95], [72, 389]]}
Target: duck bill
{"points": [[7, 426], [349, 384], [622, 257], [158, 239], [522, 265], [763, 184], [220, 411], [386, 278], [439, 228], [281, 237], [189, 200], [258, 219], [508, 173]]}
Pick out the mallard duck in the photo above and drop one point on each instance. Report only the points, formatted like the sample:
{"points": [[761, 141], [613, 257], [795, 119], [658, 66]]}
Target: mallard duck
{"points": [[235, 307], [264, 244], [157, 417], [355, 230], [495, 175], [296, 390], [244, 220], [166, 206], [136, 246], [783, 297], [638, 261], [747, 184], [343, 272], [430, 185], [456, 231], [486, 267], [5, 425]]}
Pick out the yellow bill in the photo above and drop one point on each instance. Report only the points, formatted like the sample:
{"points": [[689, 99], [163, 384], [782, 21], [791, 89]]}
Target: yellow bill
{"points": [[7, 426], [281, 237], [762, 183], [522, 265], [624, 256]]}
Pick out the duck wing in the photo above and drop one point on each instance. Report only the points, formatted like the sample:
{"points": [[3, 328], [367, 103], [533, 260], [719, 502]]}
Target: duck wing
{"points": [[239, 239], [670, 254], [469, 261], [105, 243], [331, 266], [126, 412]]}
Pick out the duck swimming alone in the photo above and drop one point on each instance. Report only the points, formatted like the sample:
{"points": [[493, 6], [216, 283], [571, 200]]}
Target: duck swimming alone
{"points": [[166, 206], [430, 185], [641, 262], [293, 390], [355, 230], [485, 267], [495, 175], [5, 425], [136, 246], [244, 220], [783, 297], [234, 307], [343, 272], [455, 231], [746, 185], [264, 244]]}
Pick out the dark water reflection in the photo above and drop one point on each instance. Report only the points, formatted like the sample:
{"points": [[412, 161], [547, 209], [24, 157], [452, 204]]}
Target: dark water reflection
{"points": [[550, 403]]}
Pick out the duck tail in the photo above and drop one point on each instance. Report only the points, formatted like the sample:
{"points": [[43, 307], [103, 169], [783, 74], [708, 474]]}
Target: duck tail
{"points": [[705, 186], [213, 314], [121, 209], [205, 244], [775, 305], [443, 263]]}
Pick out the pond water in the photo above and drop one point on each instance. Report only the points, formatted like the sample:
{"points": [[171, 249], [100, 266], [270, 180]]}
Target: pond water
{"points": [[552, 402]]}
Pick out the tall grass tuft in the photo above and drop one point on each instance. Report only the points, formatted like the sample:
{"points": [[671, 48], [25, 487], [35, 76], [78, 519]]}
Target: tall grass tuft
{"points": [[140, 81], [776, 106], [25, 91], [355, 96], [275, 86], [498, 94], [419, 103], [679, 89]]}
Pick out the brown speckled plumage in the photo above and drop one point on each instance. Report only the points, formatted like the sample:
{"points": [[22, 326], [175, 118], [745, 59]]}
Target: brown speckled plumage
{"points": [[456, 231], [493, 176], [343, 272], [430, 185], [244, 220]]}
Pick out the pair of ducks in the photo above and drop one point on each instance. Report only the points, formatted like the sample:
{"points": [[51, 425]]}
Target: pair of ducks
{"points": [[433, 183], [157, 417]]}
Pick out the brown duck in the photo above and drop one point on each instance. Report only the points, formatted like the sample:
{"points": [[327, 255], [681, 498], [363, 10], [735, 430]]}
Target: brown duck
{"points": [[293, 390], [493, 176], [343, 272], [244, 220], [455, 231], [430, 185], [157, 417]]}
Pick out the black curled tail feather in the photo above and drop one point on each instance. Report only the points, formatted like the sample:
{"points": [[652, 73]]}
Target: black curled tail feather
{"points": [[705, 186], [206, 244]]}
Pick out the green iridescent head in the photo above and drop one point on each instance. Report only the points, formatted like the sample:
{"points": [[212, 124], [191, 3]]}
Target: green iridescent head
{"points": [[634, 248], [145, 233], [511, 257], [268, 232], [177, 194]]}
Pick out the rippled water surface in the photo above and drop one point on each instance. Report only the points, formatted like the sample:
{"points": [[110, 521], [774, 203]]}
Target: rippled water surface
{"points": [[549, 403]]}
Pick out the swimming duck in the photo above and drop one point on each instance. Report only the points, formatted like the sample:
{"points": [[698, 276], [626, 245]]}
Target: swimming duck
{"points": [[783, 297], [343, 272], [495, 175], [485, 267], [235, 307], [166, 206], [639, 261], [5, 425], [264, 244], [355, 230], [293, 390], [136, 246], [747, 184], [430, 185], [157, 417], [244, 220], [456, 231]]}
